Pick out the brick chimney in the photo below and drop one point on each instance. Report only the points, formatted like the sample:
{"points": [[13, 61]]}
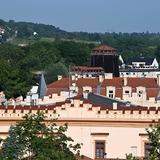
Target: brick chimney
{"points": [[114, 106], [108, 75], [59, 77], [101, 78]]}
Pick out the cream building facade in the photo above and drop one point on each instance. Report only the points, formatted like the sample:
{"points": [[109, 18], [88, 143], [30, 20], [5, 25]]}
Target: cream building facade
{"points": [[104, 131]]}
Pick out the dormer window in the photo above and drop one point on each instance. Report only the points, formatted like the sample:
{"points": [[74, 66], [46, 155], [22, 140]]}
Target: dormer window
{"points": [[111, 94], [140, 93], [110, 91], [127, 92]]}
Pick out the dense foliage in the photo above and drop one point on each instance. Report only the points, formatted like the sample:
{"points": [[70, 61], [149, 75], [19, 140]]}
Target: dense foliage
{"points": [[33, 139], [154, 138], [17, 64]]}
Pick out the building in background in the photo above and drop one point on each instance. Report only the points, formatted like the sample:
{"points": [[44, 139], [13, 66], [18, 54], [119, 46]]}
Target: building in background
{"points": [[107, 58], [107, 113], [139, 66]]}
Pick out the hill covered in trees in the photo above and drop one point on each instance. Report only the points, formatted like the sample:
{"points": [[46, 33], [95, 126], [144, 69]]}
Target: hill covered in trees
{"points": [[18, 64], [52, 50]]}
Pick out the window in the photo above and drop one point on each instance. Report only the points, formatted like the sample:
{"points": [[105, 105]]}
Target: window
{"points": [[147, 147], [126, 92], [110, 94], [100, 149], [140, 93]]}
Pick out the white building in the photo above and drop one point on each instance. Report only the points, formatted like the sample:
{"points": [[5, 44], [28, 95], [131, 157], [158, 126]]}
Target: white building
{"points": [[139, 67]]}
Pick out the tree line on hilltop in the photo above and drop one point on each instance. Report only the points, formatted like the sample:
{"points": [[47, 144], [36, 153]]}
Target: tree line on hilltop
{"points": [[17, 64]]}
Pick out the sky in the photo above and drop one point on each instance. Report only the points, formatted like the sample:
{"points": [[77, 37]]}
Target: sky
{"points": [[87, 15]]}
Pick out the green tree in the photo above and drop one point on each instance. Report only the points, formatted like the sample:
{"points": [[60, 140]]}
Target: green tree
{"points": [[12, 149], [157, 53], [55, 69], [130, 157], [33, 139], [154, 138]]}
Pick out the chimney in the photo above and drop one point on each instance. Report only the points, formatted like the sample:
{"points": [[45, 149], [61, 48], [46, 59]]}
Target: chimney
{"points": [[158, 79], [125, 81], [89, 75], [101, 78], [115, 106], [85, 94], [73, 77], [108, 75], [59, 77]]}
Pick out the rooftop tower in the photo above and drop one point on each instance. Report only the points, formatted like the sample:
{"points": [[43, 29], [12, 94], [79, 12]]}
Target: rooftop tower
{"points": [[107, 58]]}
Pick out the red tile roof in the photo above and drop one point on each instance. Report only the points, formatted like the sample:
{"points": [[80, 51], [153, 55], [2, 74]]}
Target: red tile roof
{"points": [[132, 82], [119, 93], [145, 82], [104, 48], [86, 68], [63, 83], [53, 91], [93, 82], [116, 82], [152, 93], [103, 92]]}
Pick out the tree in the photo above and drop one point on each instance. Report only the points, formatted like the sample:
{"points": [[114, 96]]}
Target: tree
{"points": [[154, 138], [12, 149], [33, 139], [130, 157], [55, 69], [157, 53]]}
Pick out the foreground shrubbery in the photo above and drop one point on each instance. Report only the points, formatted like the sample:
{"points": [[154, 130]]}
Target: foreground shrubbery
{"points": [[33, 139]]}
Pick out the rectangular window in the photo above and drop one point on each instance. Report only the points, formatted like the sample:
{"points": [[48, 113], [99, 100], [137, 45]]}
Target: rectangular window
{"points": [[100, 149], [110, 94], [126, 92], [140, 93], [147, 147]]}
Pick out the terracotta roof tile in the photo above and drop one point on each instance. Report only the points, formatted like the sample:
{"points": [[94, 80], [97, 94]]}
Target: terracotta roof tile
{"points": [[104, 48], [93, 82], [63, 83], [152, 93], [53, 91], [119, 93], [103, 92], [117, 82], [145, 82], [86, 68]]}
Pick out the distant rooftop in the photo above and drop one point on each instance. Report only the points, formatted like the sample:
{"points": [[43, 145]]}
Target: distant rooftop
{"points": [[86, 68], [104, 48], [147, 60]]}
